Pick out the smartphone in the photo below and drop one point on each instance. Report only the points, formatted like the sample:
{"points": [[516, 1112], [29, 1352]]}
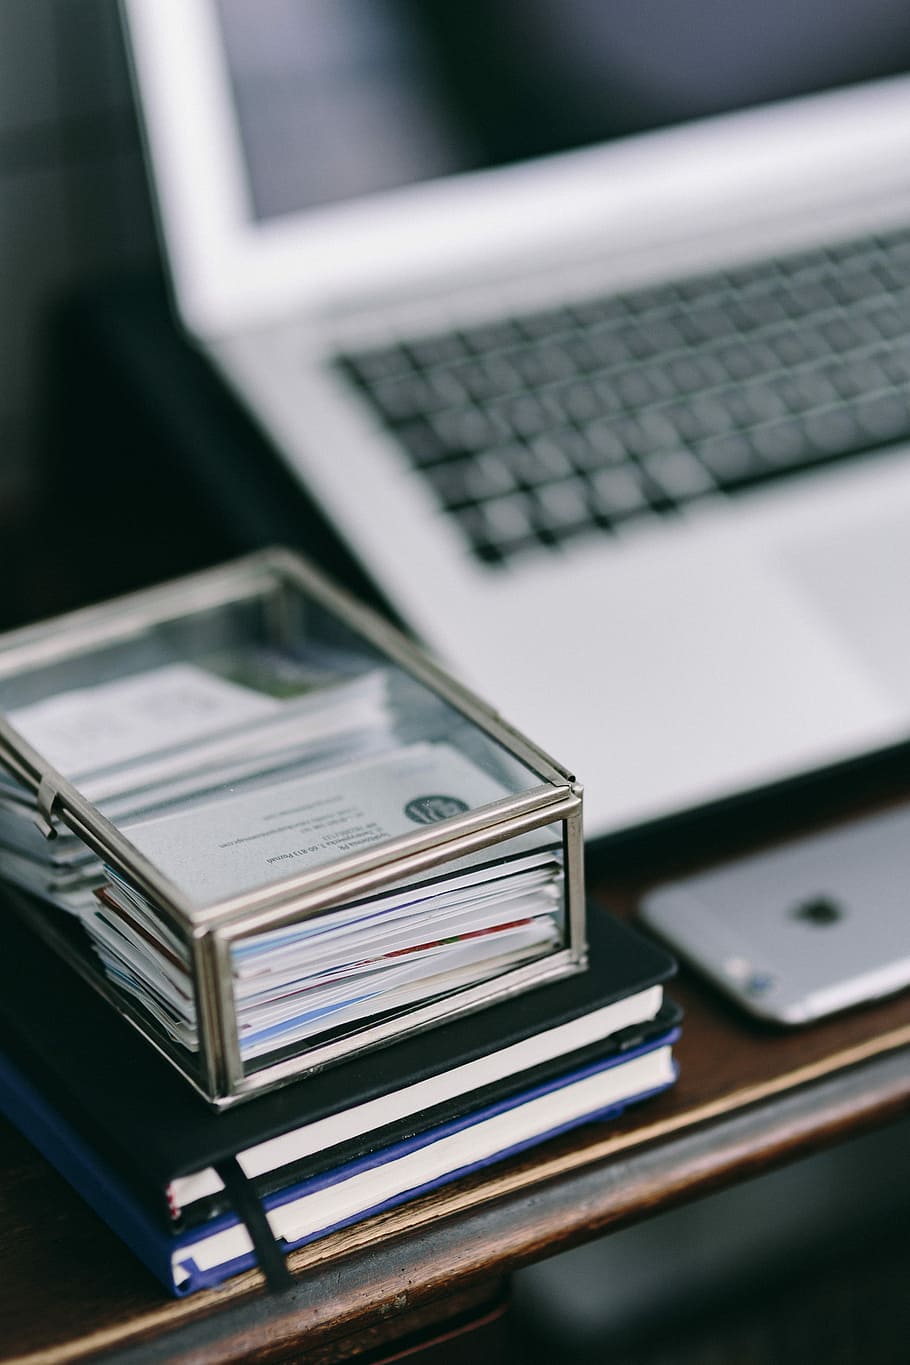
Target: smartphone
{"points": [[813, 926]]}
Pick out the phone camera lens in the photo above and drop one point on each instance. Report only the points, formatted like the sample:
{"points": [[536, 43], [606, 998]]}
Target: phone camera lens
{"points": [[819, 912]]}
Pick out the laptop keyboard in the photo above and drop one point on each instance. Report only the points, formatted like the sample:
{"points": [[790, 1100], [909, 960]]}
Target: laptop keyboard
{"points": [[537, 428]]}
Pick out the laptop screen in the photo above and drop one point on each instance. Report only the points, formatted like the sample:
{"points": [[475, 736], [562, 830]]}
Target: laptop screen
{"points": [[336, 99]]}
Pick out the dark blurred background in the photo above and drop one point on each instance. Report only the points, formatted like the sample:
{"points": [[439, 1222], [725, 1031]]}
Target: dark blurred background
{"points": [[73, 206], [114, 434]]}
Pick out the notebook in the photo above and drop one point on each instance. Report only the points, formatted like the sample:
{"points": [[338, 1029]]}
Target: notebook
{"points": [[200, 1256], [177, 1167], [589, 328]]}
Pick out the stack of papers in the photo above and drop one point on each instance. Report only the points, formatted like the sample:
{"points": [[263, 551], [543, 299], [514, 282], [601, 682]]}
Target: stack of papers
{"points": [[474, 919], [159, 740]]}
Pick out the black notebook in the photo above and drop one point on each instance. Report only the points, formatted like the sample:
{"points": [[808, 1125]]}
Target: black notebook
{"points": [[72, 1067]]}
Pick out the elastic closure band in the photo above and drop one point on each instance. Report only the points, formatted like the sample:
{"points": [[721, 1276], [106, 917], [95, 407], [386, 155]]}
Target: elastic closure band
{"points": [[252, 1215]]}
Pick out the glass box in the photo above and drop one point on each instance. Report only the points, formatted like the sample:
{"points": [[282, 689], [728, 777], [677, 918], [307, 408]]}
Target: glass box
{"points": [[272, 831]]}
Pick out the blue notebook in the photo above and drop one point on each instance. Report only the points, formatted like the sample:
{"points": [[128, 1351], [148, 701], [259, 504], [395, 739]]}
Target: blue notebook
{"points": [[189, 1189], [205, 1255]]}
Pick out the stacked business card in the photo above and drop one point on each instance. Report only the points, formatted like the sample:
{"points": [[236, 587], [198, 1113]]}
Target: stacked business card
{"points": [[162, 739], [473, 919]]}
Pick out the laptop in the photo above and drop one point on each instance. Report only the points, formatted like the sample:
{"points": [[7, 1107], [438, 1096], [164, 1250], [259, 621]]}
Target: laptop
{"points": [[588, 325]]}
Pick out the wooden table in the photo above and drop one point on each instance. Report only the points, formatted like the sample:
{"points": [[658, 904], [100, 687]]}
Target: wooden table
{"points": [[748, 1097]]}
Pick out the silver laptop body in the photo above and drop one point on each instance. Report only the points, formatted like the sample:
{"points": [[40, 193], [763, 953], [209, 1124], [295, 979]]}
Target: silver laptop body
{"points": [[677, 630]]}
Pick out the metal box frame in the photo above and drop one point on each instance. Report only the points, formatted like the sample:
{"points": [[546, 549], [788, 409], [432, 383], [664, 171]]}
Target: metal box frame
{"points": [[210, 932]]}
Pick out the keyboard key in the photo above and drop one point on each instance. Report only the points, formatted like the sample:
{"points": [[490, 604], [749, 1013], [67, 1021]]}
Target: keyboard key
{"points": [[845, 333], [472, 522], [796, 345], [759, 310], [707, 323], [495, 539], [799, 265], [852, 285], [575, 402], [591, 312], [439, 349], [491, 474], [658, 430], [895, 242], [451, 482], [542, 364], [525, 415], [700, 289], [658, 336], [609, 395], [833, 432], [602, 438], [883, 417], [853, 378], [757, 275], [562, 505], [489, 377], [509, 519], [810, 296], [492, 336], [580, 352], [730, 459], [422, 443], [548, 322], [656, 374], [447, 387], [465, 429], [494, 556], [894, 275], [677, 475], [781, 443], [403, 397], [690, 373], [896, 364], [848, 254], [638, 343], [745, 360], [562, 449], [763, 402], [633, 436], [709, 417], [890, 321], [653, 298], [736, 402], [689, 423], [539, 462], [610, 347], [803, 391], [369, 367], [636, 389], [618, 493]]}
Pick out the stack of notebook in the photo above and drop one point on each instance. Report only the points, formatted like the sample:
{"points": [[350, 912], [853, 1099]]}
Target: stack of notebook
{"points": [[342, 898], [200, 1196]]}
